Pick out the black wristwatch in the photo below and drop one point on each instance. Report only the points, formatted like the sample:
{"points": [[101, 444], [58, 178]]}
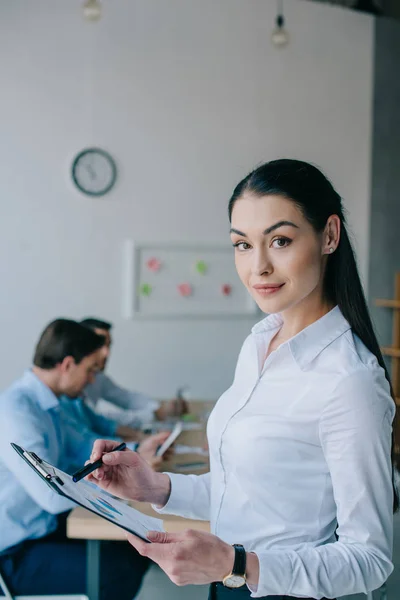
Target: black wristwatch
{"points": [[237, 577]]}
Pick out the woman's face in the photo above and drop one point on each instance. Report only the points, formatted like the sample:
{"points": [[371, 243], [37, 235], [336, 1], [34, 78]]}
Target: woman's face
{"points": [[278, 254]]}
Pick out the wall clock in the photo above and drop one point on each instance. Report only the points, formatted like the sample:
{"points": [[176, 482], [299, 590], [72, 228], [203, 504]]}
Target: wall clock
{"points": [[94, 172]]}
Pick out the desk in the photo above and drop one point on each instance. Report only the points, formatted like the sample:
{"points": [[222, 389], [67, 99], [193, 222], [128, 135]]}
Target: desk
{"points": [[83, 524]]}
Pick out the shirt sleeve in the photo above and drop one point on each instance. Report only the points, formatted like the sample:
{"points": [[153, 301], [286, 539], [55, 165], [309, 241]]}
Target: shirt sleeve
{"points": [[355, 434], [190, 497], [140, 406], [24, 426]]}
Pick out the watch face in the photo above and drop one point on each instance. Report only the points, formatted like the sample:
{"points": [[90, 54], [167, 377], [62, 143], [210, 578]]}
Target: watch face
{"points": [[94, 172], [234, 581]]}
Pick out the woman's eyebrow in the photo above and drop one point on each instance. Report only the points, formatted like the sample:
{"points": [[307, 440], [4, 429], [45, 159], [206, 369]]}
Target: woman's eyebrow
{"points": [[269, 229]]}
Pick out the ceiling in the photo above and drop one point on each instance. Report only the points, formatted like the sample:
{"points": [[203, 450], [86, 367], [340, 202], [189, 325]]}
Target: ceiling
{"points": [[388, 8]]}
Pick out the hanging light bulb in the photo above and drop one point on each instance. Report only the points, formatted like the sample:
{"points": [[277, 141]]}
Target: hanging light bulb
{"points": [[92, 10], [280, 36]]}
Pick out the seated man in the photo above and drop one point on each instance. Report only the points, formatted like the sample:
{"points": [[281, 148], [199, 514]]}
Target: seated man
{"points": [[130, 408], [36, 557]]}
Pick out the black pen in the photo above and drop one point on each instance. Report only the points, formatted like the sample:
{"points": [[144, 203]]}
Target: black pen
{"points": [[87, 469]]}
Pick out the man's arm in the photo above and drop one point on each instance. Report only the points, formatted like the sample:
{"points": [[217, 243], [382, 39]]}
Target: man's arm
{"points": [[141, 407], [23, 424]]}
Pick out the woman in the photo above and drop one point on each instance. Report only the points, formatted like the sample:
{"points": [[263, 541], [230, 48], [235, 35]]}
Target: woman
{"points": [[300, 445]]}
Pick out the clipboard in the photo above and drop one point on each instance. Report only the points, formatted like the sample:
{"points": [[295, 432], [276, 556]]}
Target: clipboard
{"points": [[91, 497]]}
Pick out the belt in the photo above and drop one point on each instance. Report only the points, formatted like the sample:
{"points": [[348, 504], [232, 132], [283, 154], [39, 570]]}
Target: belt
{"points": [[219, 592]]}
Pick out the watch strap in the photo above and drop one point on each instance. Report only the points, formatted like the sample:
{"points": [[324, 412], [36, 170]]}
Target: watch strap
{"points": [[239, 565]]}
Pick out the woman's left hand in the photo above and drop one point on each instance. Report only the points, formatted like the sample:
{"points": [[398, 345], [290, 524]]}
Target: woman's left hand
{"points": [[190, 557]]}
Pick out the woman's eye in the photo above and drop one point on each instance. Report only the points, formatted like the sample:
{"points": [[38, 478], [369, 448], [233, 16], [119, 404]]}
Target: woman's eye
{"points": [[281, 242], [241, 246]]}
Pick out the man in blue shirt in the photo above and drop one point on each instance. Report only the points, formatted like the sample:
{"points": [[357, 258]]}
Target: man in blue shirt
{"points": [[36, 557]]}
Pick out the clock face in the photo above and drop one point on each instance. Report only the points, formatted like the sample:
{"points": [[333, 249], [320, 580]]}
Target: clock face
{"points": [[94, 172]]}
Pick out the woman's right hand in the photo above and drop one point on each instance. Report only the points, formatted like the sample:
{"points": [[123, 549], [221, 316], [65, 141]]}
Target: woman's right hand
{"points": [[127, 475]]}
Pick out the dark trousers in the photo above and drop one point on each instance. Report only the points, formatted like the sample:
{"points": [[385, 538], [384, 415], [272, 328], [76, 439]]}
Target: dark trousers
{"points": [[57, 565], [219, 592]]}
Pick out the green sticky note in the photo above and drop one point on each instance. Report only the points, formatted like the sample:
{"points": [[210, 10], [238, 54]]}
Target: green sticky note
{"points": [[145, 289], [188, 418], [201, 267]]}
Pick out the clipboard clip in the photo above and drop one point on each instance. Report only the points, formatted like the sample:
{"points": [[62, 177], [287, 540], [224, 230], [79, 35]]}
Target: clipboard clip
{"points": [[37, 462]]}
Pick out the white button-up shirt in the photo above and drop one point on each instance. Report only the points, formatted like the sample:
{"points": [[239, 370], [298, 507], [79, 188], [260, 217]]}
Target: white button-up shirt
{"points": [[300, 449]]}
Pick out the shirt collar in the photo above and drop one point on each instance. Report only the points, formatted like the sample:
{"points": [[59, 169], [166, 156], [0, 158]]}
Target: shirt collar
{"points": [[312, 340], [43, 394]]}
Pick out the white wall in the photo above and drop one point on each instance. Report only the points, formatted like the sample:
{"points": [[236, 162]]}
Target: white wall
{"points": [[187, 95]]}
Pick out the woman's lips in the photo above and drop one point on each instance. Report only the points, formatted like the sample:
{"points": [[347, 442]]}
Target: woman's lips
{"points": [[265, 289]]}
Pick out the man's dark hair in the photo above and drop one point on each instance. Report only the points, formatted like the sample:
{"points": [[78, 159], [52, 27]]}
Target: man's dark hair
{"points": [[62, 338], [93, 323]]}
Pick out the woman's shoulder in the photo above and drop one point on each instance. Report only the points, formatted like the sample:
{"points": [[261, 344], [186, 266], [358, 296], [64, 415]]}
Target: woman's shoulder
{"points": [[347, 355], [359, 381]]}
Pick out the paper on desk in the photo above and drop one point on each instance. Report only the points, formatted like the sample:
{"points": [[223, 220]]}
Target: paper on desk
{"points": [[101, 502], [187, 426], [181, 449]]}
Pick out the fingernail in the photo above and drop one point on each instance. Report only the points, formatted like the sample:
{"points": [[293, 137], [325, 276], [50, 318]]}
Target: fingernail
{"points": [[108, 458]]}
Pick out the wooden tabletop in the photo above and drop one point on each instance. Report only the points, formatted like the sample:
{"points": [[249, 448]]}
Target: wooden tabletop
{"points": [[84, 524]]}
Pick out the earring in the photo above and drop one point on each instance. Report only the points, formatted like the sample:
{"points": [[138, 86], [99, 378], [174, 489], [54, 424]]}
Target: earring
{"points": [[331, 250]]}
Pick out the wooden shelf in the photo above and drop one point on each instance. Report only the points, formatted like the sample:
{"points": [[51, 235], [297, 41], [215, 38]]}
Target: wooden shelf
{"points": [[389, 351], [388, 303], [393, 351]]}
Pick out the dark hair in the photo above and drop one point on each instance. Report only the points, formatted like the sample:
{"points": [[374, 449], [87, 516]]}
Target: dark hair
{"points": [[63, 338], [315, 196], [92, 323]]}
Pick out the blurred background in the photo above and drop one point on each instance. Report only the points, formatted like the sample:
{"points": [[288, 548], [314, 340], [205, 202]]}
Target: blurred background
{"points": [[185, 96]]}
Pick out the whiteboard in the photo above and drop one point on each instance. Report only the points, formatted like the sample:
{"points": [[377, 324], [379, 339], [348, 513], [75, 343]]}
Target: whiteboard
{"points": [[166, 280]]}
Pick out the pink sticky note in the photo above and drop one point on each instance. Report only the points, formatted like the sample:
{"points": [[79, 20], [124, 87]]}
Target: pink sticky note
{"points": [[153, 264], [226, 289], [185, 289]]}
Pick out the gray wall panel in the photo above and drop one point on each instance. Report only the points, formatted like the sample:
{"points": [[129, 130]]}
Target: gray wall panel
{"points": [[385, 201]]}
